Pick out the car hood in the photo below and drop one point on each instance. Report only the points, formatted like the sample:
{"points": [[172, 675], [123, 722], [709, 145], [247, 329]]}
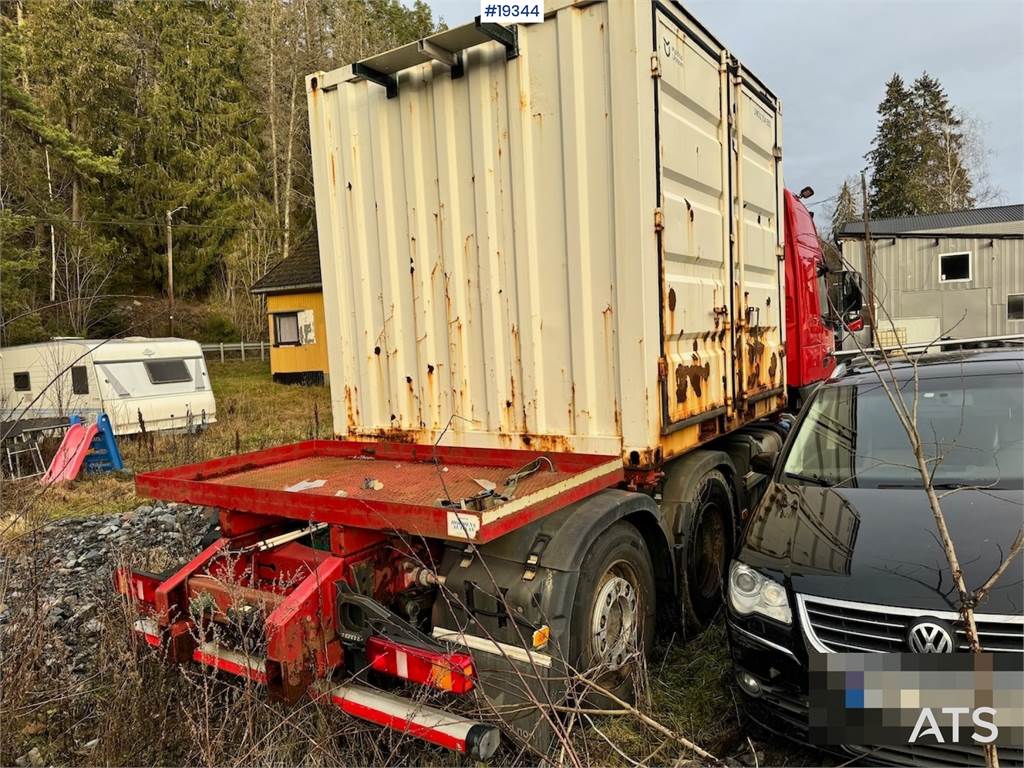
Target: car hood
{"points": [[882, 545]]}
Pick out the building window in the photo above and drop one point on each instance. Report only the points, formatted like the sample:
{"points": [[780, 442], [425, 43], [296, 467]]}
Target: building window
{"points": [[954, 267], [80, 380], [286, 329], [167, 371], [1015, 306], [22, 382]]}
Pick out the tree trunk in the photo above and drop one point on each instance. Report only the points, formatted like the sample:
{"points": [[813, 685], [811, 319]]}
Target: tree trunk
{"points": [[288, 169], [272, 99]]}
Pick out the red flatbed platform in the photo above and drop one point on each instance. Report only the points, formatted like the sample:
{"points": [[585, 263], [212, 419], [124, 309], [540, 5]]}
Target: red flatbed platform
{"points": [[413, 489]]}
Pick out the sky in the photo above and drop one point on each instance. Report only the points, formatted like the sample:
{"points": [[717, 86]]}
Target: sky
{"points": [[828, 61]]}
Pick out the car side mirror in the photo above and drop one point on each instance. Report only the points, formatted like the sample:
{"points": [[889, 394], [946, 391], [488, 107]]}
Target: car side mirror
{"points": [[764, 462]]}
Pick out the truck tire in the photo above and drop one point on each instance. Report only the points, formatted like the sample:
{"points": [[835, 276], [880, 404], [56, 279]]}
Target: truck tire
{"points": [[613, 611], [706, 545]]}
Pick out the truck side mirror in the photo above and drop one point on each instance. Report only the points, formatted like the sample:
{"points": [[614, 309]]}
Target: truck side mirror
{"points": [[851, 297], [764, 462]]}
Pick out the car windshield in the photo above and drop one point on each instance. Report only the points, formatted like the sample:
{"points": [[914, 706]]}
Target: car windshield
{"points": [[971, 429]]}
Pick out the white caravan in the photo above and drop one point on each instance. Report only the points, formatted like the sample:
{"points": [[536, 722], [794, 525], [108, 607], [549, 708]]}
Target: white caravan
{"points": [[160, 383]]}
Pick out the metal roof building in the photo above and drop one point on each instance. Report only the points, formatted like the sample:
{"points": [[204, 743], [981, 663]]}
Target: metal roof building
{"points": [[958, 274]]}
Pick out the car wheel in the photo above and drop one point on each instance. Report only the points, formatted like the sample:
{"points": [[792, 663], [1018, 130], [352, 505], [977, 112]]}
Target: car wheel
{"points": [[613, 611]]}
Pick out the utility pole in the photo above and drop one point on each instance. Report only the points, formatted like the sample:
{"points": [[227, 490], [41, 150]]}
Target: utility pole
{"points": [[869, 260], [170, 264]]}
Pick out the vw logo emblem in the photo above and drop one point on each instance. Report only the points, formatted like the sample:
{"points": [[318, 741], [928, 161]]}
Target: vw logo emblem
{"points": [[930, 636]]}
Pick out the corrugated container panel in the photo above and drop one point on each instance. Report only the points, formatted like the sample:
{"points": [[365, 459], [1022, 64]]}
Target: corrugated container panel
{"points": [[490, 242]]}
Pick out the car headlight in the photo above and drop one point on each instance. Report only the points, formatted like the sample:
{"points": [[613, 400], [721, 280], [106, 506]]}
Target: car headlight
{"points": [[753, 592]]}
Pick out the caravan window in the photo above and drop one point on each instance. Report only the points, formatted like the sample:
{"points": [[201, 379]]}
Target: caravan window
{"points": [[167, 371], [286, 328], [80, 380], [22, 382]]}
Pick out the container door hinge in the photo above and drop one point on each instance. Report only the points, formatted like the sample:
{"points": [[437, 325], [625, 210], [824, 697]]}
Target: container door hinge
{"points": [[659, 220], [777, 152], [780, 253], [655, 65], [662, 368]]}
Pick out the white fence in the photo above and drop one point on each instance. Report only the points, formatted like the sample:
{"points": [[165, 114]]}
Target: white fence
{"points": [[246, 350]]}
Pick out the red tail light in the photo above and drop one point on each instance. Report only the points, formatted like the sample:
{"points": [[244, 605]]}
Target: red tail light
{"points": [[452, 672], [140, 587]]}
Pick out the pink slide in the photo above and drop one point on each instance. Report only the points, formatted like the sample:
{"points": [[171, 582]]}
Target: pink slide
{"points": [[68, 461]]}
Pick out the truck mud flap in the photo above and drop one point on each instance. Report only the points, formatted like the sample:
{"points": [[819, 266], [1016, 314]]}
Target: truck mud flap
{"points": [[511, 683]]}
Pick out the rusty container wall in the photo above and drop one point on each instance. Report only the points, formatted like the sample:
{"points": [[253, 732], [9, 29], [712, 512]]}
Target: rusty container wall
{"points": [[500, 249]]}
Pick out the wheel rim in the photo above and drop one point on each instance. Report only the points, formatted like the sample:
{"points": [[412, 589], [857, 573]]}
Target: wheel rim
{"points": [[614, 617], [709, 563]]}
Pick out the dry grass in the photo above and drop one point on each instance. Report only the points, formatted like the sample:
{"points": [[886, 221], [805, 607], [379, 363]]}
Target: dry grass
{"points": [[253, 412], [142, 711]]}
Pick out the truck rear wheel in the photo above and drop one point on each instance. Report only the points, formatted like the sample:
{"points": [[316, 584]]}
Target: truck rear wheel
{"points": [[707, 547], [613, 612]]}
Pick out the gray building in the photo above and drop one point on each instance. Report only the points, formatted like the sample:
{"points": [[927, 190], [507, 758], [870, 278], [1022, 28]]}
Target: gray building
{"points": [[958, 274]]}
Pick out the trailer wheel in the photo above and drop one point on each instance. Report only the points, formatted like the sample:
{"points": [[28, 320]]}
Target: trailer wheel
{"points": [[613, 611], [706, 549]]}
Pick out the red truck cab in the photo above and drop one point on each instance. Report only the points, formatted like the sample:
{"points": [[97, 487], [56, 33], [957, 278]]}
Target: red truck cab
{"points": [[810, 338]]}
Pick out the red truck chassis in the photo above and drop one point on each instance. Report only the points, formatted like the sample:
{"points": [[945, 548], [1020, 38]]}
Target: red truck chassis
{"points": [[319, 540]]}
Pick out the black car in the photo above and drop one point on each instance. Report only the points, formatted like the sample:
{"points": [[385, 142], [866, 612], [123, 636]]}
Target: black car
{"points": [[842, 553]]}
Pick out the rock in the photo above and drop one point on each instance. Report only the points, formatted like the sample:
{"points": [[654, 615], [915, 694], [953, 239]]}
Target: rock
{"points": [[75, 584], [34, 758]]}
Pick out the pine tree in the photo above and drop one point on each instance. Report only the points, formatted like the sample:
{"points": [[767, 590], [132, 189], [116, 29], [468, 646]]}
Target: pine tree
{"points": [[198, 141], [61, 69], [895, 155], [943, 183], [846, 208]]}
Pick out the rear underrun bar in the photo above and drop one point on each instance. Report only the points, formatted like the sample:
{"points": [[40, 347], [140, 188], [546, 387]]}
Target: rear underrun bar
{"points": [[437, 726]]}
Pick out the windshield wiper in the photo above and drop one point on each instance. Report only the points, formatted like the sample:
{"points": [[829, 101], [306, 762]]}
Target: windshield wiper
{"points": [[812, 479]]}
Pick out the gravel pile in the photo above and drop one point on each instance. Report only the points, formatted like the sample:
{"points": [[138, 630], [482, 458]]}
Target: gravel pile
{"points": [[67, 566]]}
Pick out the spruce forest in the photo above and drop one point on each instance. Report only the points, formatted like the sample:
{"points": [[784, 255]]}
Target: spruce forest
{"points": [[927, 156], [115, 112]]}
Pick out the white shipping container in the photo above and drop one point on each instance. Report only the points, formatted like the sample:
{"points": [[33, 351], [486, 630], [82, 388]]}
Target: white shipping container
{"points": [[564, 236]]}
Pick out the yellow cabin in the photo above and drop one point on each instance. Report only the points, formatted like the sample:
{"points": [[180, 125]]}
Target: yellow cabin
{"points": [[295, 316]]}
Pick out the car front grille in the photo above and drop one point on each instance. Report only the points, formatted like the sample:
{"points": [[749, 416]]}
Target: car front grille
{"points": [[841, 626], [936, 755]]}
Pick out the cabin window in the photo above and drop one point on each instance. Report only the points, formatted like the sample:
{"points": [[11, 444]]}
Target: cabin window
{"points": [[167, 371], [286, 329], [954, 267], [1015, 306], [22, 382], [80, 380]]}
